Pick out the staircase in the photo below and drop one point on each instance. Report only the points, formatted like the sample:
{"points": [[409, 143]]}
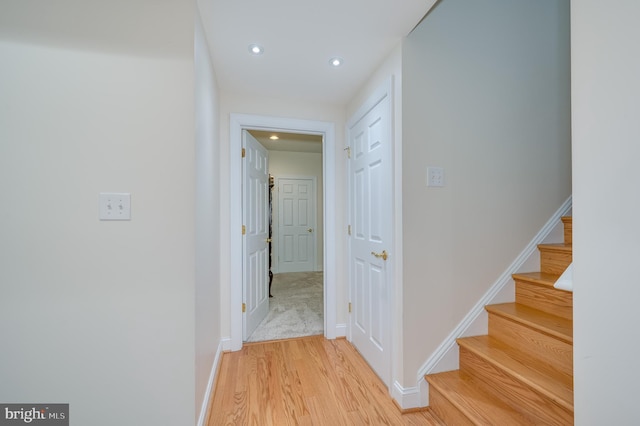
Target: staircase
{"points": [[521, 373]]}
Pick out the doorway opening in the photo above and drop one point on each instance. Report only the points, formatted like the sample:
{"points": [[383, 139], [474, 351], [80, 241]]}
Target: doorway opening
{"points": [[326, 131], [295, 237]]}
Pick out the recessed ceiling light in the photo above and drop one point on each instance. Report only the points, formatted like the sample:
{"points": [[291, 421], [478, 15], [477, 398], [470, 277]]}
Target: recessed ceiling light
{"points": [[256, 49], [335, 62], [274, 137]]}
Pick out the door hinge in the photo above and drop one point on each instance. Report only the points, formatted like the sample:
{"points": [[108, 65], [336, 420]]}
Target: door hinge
{"points": [[349, 229], [349, 307], [244, 153], [244, 308], [244, 230], [348, 149]]}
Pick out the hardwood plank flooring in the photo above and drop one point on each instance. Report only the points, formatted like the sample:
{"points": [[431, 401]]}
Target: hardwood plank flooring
{"points": [[304, 381]]}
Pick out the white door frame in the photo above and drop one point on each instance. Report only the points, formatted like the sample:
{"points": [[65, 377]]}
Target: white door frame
{"points": [[239, 122]]}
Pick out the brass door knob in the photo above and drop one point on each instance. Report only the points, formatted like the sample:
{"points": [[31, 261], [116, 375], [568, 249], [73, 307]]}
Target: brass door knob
{"points": [[309, 230], [384, 255]]}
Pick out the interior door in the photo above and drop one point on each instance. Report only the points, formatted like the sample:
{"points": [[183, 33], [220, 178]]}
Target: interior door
{"points": [[255, 210], [370, 199], [296, 224]]}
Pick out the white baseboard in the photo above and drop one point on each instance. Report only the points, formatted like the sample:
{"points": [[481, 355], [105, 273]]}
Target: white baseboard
{"points": [[227, 344], [204, 409], [341, 330], [417, 396], [446, 356]]}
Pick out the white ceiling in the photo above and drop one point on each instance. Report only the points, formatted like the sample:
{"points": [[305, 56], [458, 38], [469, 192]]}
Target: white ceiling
{"points": [[299, 38], [289, 141]]}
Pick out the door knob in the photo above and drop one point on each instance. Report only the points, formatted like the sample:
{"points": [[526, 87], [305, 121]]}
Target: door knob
{"points": [[309, 230], [382, 255], [268, 240]]}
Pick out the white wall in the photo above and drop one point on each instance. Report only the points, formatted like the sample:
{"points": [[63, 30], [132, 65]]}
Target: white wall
{"points": [[207, 290], [98, 314], [606, 233], [287, 164], [230, 103], [486, 96]]}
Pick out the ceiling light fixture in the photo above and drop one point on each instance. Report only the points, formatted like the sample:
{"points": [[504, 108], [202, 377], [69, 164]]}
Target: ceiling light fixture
{"points": [[256, 49], [274, 137], [335, 62]]}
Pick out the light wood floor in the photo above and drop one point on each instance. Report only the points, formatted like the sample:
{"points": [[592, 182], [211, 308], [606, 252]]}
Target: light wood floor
{"points": [[304, 381]]}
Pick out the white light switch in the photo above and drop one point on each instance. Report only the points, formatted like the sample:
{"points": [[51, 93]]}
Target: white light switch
{"points": [[435, 176], [115, 206]]}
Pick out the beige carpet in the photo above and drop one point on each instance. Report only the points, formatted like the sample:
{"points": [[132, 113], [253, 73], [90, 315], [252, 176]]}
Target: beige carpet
{"points": [[296, 308]]}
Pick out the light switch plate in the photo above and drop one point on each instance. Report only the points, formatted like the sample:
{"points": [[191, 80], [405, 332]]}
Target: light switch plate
{"points": [[435, 176], [115, 206]]}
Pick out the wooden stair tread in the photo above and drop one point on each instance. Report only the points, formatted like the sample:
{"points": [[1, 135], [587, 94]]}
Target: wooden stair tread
{"points": [[541, 278], [554, 384], [553, 325], [559, 247], [480, 407]]}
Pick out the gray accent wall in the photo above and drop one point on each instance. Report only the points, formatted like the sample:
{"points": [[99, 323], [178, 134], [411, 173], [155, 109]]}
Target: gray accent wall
{"points": [[486, 96]]}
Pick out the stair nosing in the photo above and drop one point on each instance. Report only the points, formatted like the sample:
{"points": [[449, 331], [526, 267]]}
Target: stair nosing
{"points": [[544, 279], [558, 247], [540, 278]]}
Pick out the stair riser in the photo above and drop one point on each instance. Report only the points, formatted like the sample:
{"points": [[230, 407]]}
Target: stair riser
{"points": [[554, 262], [547, 349], [445, 410], [550, 300], [568, 230], [515, 393]]}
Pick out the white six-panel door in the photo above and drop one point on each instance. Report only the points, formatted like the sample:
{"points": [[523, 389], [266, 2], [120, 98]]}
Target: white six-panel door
{"points": [[296, 224], [255, 191], [370, 199]]}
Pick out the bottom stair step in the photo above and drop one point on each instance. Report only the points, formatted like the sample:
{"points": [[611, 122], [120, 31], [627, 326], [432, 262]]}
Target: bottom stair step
{"points": [[457, 399]]}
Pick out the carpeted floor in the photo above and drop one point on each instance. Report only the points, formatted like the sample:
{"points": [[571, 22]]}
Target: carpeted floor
{"points": [[296, 308]]}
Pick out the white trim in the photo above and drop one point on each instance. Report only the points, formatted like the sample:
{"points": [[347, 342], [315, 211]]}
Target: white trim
{"points": [[446, 354], [341, 330], [410, 397], [238, 122], [204, 409], [226, 344]]}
